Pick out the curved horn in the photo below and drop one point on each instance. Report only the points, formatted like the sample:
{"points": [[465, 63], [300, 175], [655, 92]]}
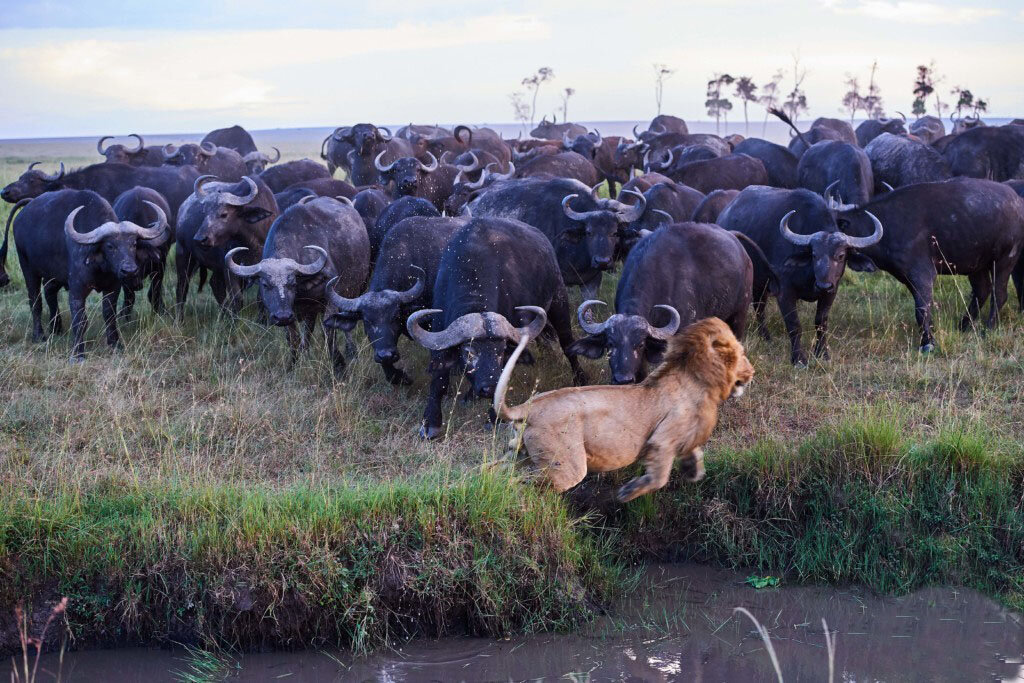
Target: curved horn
{"points": [[668, 162], [828, 191], [383, 169], [207, 149], [566, 142], [240, 271], [33, 165], [662, 130], [470, 168], [385, 139], [670, 220], [169, 151], [627, 213], [99, 145], [594, 191], [157, 229], [872, 239], [276, 158], [588, 327], [91, 237], [596, 137], [799, 240], [307, 198], [314, 267], [197, 188], [142, 143], [888, 187], [242, 200], [436, 341], [665, 332], [407, 296], [345, 200], [902, 116], [536, 326], [433, 166], [56, 176], [340, 302], [501, 176], [484, 175], [341, 133], [576, 216], [635, 134]]}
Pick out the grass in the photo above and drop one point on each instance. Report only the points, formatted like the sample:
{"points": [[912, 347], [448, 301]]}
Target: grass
{"points": [[166, 487]]}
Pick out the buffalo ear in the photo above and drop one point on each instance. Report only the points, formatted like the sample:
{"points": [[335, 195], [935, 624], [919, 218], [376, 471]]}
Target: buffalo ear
{"points": [[859, 262], [592, 346], [801, 259], [443, 361], [344, 321], [654, 350], [254, 214]]}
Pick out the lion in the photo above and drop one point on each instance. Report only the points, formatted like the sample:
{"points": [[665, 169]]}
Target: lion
{"points": [[569, 432]]}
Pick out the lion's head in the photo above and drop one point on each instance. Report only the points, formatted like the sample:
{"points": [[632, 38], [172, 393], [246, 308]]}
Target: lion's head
{"points": [[710, 352]]}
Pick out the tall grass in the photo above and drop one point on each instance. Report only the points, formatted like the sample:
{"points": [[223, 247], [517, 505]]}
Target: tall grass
{"points": [[166, 487]]}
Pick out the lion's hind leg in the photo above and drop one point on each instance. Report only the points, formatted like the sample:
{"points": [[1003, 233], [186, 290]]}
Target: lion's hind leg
{"points": [[560, 461]]}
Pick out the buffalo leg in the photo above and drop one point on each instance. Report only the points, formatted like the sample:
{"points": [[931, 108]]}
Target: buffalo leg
{"points": [[759, 303], [156, 287], [921, 288], [1000, 285], [431, 427], [559, 317], [294, 342], [128, 307], [787, 306], [337, 358], [981, 287], [76, 302], [219, 287], [50, 290], [821, 325], [395, 375], [1018, 282], [110, 318], [35, 303], [308, 325], [184, 269]]}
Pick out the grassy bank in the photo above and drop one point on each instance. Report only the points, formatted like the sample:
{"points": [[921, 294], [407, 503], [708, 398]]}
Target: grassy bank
{"points": [[191, 486]]}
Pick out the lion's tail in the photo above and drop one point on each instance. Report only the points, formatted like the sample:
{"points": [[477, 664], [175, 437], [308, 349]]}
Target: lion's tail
{"points": [[500, 409]]}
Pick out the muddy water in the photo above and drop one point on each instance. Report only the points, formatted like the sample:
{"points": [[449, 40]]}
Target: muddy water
{"points": [[679, 626]]}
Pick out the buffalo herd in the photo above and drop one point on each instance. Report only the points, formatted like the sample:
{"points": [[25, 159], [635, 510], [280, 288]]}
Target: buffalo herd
{"points": [[459, 238]]}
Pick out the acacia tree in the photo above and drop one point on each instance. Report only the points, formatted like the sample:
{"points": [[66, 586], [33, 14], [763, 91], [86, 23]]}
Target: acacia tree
{"points": [[662, 72], [566, 94], [543, 75], [716, 104], [769, 98], [796, 100], [872, 105], [853, 101], [746, 90], [924, 87]]}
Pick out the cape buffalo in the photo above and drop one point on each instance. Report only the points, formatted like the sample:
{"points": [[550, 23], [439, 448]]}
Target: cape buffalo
{"points": [[402, 283], [393, 213], [295, 291], [928, 129], [490, 270], [257, 162], [412, 178], [732, 172], [872, 128], [688, 270], [798, 234], [73, 239], [897, 160], [963, 226], [561, 165], [994, 153], [713, 205], [370, 203], [550, 130], [779, 162], [839, 167], [208, 158], [139, 156], [143, 206], [284, 175], [235, 137]]}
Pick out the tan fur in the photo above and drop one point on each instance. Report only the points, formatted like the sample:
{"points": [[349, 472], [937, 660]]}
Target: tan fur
{"points": [[576, 430]]}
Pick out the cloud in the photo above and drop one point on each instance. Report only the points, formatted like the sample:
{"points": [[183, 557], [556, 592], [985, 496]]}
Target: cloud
{"points": [[217, 70], [911, 11]]}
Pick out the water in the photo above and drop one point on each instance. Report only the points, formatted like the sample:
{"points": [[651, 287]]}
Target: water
{"points": [[679, 626]]}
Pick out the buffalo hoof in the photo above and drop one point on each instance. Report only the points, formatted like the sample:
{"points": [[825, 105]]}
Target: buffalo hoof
{"points": [[799, 361], [928, 348], [430, 433], [76, 360]]}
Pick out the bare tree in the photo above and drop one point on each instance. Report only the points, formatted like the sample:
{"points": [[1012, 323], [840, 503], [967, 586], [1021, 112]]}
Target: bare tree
{"points": [[662, 73], [543, 75], [520, 109], [852, 99], [769, 98], [796, 101], [873, 100], [566, 94], [716, 104], [746, 90]]}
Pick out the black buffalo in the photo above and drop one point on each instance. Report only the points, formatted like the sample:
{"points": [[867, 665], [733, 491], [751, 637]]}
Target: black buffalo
{"points": [[713, 205], [143, 206], [665, 203], [284, 175], [296, 291], [994, 153], [140, 155], [208, 159], [72, 239], [370, 203], [216, 218], [5, 279], [688, 270], [395, 212], [410, 177], [584, 230], [402, 283], [928, 129], [898, 160], [779, 162], [108, 181], [837, 168], [490, 271], [362, 144], [465, 190], [731, 172], [963, 226], [799, 236], [872, 128], [550, 130], [235, 137], [560, 165], [257, 162]]}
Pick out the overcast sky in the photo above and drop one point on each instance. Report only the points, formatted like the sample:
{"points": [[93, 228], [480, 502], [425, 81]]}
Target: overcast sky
{"points": [[114, 66]]}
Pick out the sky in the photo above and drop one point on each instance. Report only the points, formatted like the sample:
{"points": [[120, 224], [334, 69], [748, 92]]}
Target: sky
{"points": [[97, 67]]}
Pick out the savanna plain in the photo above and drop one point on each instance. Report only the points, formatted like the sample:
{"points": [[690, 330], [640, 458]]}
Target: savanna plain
{"points": [[193, 488]]}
